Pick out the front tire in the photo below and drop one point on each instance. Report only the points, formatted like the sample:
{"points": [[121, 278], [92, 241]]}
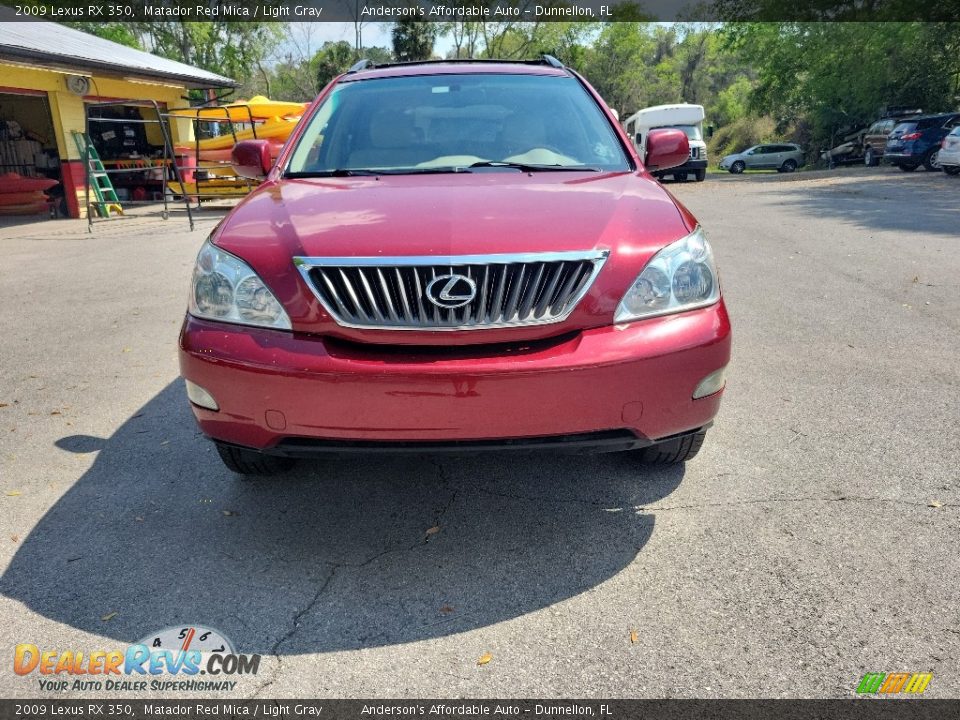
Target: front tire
{"points": [[951, 169], [870, 159], [788, 166], [737, 167], [251, 462], [673, 451]]}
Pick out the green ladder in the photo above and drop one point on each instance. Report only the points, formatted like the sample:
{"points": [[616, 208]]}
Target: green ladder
{"points": [[99, 181]]}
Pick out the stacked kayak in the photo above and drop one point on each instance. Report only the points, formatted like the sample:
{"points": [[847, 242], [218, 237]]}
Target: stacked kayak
{"points": [[259, 118], [21, 195]]}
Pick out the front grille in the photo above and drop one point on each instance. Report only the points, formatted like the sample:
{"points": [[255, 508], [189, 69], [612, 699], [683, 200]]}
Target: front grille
{"points": [[462, 292]]}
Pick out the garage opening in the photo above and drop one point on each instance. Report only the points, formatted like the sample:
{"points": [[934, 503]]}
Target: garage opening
{"points": [[30, 181]]}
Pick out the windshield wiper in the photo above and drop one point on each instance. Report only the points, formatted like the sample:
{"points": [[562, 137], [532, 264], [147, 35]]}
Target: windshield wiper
{"points": [[367, 172], [339, 172], [526, 167]]}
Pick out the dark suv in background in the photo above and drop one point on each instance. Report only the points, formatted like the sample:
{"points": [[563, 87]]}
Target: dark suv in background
{"points": [[916, 142]]}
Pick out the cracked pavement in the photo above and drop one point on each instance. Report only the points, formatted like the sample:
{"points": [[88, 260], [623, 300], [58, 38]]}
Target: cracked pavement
{"points": [[813, 540]]}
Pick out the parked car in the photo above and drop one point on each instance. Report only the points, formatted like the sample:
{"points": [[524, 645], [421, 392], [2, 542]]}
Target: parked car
{"points": [[874, 140], [434, 263], [949, 157], [917, 141], [779, 157]]}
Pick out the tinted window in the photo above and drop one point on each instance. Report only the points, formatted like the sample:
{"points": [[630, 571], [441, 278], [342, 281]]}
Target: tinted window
{"points": [[904, 128], [439, 121]]}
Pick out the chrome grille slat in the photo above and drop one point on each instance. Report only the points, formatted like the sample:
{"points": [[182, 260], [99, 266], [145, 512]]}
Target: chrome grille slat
{"points": [[390, 293]]}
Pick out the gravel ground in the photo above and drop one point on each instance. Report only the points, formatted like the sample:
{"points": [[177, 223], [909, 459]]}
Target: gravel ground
{"points": [[813, 540]]}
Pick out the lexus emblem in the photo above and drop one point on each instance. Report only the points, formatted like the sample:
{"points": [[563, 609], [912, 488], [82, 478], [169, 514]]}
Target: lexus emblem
{"points": [[451, 291]]}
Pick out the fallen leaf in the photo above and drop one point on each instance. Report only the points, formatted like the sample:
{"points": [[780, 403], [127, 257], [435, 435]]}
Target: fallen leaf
{"points": [[165, 442], [14, 493], [433, 531], [126, 350], [56, 412], [15, 537], [936, 503], [230, 513], [916, 278], [4, 405], [484, 659], [634, 636], [109, 616], [138, 518], [446, 609]]}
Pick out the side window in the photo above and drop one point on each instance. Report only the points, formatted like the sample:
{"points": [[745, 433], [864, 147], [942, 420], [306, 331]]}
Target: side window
{"points": [[888, 126]]}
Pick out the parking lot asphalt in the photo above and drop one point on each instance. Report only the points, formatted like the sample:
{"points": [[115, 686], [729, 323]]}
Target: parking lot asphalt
{"points": [[814, 539]]}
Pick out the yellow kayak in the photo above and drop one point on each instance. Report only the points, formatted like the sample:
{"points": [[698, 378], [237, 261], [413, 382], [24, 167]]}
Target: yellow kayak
{"points": [[256, 108], [213, 188], [274, 129]]}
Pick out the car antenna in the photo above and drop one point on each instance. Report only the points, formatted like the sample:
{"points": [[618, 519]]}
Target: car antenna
{"points": [[360, 65], [551, 61]]}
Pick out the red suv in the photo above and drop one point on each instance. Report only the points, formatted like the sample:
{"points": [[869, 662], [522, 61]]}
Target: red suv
{"points": [[456, 256]]}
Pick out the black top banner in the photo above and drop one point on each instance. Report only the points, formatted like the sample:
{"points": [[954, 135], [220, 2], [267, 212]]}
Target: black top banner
{"points": [[483, 10], [459, 709]]}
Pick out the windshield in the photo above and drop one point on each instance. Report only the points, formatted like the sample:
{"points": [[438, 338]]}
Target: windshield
{"points": [[692, 131], [441, 122]]}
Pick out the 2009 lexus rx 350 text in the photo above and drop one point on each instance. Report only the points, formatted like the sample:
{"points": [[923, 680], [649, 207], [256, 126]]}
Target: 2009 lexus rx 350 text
{"points": [[456, 256]]}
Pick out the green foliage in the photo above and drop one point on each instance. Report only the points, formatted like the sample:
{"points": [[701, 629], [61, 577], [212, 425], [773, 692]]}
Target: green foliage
{"points": [[413, 39], [232, 49], [739, 135], [839, 75]]}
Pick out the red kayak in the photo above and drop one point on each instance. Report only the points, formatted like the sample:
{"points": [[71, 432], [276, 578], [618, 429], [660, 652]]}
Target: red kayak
{"points": [[14, 183]]}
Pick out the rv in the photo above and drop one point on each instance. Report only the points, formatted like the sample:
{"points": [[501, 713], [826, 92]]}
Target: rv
{"points": [[688, 118]]}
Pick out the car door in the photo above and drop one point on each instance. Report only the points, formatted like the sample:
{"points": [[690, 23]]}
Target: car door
{"points": [[757, 157], [771, 156]]}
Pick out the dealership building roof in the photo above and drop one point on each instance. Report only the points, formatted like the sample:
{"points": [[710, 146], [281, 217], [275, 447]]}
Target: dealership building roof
{"points": [[48, 44]]}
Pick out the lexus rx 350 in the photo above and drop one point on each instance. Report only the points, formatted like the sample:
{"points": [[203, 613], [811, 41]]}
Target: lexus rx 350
{"points": [[456, 256]]}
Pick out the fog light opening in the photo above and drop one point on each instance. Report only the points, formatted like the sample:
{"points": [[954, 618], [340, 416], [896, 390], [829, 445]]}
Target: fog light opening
{"points": [[712, 383], [199, 396]]}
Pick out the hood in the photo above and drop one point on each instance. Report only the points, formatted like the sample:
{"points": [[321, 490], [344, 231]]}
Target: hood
{"points": [[627, 214]]}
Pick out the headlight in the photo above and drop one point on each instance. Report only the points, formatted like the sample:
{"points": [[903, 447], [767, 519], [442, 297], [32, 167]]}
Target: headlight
{"points": [[225, 288], [680, 277]]}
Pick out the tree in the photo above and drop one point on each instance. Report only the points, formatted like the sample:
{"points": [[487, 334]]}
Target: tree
{"points": [[233, 49], [837, 75], [413, 39]]}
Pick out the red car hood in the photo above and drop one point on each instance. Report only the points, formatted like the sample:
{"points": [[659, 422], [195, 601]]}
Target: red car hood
{"points": [[628, 214]]}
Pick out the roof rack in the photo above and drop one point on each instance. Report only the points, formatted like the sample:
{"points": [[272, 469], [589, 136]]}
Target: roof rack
{"points": [[544, 59]]}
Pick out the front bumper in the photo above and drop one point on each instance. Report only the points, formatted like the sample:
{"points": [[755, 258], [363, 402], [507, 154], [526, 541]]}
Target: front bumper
{"points": [[278, 390], [688, 166]]}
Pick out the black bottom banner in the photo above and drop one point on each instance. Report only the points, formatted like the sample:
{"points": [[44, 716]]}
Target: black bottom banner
{"points": [[856, 709]]}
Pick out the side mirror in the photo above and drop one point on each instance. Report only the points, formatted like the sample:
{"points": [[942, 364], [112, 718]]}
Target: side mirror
{"points": [[709, 131], [251, 159], [638, 139], [666, 148]]}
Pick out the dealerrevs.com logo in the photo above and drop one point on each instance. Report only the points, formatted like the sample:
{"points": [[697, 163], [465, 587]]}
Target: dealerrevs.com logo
{"points": [[187, 659]]}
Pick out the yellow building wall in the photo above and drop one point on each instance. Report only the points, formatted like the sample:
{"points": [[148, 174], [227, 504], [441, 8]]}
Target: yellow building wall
{"points": [[68, 112]]}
